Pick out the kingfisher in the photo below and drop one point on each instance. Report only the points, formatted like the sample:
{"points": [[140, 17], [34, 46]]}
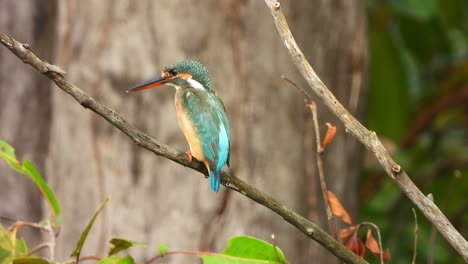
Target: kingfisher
{"points": [[200, 113]]}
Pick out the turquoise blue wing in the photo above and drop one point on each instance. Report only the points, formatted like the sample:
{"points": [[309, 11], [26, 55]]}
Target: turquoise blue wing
{"points": [[210, 122], [227, 123]]}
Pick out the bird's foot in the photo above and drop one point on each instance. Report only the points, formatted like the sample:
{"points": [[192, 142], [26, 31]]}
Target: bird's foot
{"points": [[189, 155]]}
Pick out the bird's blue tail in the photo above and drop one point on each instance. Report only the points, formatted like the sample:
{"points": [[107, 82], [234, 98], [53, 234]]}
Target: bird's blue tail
{"points": [[215, 180]]}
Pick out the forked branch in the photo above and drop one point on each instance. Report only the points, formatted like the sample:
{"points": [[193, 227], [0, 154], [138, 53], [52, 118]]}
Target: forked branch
{"points": [[366, 137]]}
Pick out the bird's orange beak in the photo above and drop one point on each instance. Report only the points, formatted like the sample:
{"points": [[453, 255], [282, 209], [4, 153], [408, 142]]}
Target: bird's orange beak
{"points": [[153, 83]]}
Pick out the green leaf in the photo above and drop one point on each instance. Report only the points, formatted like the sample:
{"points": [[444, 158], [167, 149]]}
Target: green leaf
{"points": [[117, 260], [30, 260], [7, 153], [43, 187], [7, 250], [5, 255], [10, 246], [21, 248], [163, 249], [418, 9], [79, 245], [7, 149], [245, 249], [122, 244]]}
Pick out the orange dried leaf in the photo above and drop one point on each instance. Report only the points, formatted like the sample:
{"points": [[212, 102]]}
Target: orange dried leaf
{"points": [[371, 244], [355, 245], [331, 131], [338, 209], [346, 233]]}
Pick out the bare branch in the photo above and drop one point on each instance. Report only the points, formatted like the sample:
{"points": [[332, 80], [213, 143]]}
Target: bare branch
{"points": [[323, 184], [143, 140], [366, 137]]}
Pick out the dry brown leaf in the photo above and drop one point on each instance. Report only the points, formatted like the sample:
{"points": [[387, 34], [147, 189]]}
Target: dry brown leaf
{"points": [[355, 245], [371, 244], [338, 209], [346, 233], [331, 131]]}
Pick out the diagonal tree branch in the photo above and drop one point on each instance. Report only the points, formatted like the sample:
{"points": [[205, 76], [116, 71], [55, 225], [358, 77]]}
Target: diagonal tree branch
{"points": [[141, 139], [366, 137]]}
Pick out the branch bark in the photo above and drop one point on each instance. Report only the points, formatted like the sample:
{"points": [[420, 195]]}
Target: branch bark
{"points": [[366, 137], [57, 75]]}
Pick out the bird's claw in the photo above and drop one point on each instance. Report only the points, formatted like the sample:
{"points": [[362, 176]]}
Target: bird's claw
{"points": [[189, 155]]}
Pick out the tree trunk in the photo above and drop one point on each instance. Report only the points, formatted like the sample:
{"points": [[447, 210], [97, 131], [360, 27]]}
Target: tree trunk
{"points": [[108, 46], [334, 40], [25, 106]]}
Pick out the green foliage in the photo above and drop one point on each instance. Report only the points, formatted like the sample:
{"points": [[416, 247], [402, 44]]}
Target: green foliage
{"points": [[242, 249], [245, 249], [417, 9], [21, 247], [7, 153], [117, 260], [163, 249], [30, 260], [120, 244], [10, 246], [390, 86], [79, 245], [418, 69]]}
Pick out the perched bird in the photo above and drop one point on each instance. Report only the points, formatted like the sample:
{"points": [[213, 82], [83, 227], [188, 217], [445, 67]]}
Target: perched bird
{"points": [[200, 113]]}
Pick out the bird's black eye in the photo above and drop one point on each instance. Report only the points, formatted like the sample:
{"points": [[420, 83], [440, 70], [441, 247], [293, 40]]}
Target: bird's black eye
{"points": [[173, 72]]}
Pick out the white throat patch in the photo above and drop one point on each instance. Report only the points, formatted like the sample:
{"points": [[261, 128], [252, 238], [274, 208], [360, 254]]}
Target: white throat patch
{"points": [[195, 84]]}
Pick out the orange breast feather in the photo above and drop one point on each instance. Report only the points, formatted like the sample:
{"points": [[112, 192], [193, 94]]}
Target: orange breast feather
{"points": [[189, 132]]}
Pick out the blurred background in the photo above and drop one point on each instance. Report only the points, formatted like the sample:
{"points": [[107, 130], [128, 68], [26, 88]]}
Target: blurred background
{"points": [[418, 102], [399, 66]]}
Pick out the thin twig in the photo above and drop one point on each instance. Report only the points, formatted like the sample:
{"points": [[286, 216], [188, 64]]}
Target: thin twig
{"points": [[52, 235], [20, 224], [416, 228], [323, 184], [48, 228], [366, 137], [39, 247], [143, 140], [73, 261], [274, 247], [302, 90]]}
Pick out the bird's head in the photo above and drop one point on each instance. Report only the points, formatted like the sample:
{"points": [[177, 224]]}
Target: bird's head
{"points": [[184, 74]]}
